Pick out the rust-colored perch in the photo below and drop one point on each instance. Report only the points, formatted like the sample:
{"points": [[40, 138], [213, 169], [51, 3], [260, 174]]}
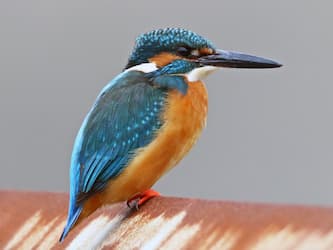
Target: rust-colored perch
{"points": [[35, 220]]}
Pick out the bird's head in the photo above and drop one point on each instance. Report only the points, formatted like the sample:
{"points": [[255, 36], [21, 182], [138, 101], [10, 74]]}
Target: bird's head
{"points": [[180, 52]]}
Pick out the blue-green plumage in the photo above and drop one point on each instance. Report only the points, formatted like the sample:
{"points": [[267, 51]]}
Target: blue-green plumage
{"points": [[128, 113], [124, 118], [171, 75], [165, 40]]}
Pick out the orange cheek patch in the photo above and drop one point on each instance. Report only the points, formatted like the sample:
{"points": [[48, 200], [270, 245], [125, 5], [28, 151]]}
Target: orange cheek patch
{"points": [[206, 51], [163, 59]]}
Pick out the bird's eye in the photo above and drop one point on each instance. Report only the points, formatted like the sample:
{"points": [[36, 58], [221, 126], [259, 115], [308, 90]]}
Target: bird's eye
{"points": [[184, 51]]}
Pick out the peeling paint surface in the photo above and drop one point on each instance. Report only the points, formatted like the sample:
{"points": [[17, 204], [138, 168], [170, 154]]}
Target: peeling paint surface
{"points": [[164, 223], [287, 238], [23, 231]]}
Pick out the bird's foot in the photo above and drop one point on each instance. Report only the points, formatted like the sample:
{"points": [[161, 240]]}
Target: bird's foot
{"points": [[141, 198]]}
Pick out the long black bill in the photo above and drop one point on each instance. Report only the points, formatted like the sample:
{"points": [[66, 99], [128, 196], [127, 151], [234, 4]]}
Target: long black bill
{"points": [[232, 59]]}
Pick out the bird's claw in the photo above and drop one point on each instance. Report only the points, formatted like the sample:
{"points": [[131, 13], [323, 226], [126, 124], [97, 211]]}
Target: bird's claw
{"points": [[139, 199]]}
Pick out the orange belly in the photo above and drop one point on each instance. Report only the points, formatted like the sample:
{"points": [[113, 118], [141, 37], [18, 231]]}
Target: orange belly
{"points": [[184, 119]]}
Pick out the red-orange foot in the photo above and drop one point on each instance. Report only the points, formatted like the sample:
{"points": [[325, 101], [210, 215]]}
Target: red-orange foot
{"points": [[141, 198]]}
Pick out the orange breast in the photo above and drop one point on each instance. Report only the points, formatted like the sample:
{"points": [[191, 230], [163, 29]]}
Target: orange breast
{"points": [[185, 117]]}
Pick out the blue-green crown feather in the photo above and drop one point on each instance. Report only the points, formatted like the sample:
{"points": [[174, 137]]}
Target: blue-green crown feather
{"points": [[164, 40]]}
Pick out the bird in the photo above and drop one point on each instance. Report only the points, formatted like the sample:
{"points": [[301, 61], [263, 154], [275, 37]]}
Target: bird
{"points": [[145, 120]]}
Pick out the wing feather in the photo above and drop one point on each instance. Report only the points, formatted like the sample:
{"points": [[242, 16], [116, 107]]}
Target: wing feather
{"points": [[123, 119]]}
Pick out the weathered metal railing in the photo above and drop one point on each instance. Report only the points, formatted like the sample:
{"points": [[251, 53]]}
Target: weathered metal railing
{"points": [[35, 221]]}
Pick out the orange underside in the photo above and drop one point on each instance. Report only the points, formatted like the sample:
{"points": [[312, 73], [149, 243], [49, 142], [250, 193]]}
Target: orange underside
{"points": [[185, 117]]}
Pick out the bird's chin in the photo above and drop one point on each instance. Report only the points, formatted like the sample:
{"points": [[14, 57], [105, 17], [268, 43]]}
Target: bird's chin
{"points": [[198, 74]]}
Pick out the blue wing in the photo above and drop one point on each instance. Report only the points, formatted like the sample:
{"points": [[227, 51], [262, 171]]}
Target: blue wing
{"points": [[124, 118]]}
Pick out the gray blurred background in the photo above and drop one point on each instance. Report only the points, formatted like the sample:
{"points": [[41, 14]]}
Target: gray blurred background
{"points": [[269, 135]]}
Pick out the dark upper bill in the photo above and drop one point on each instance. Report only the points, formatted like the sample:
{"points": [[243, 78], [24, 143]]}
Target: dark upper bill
{"points": [[230, 59]]}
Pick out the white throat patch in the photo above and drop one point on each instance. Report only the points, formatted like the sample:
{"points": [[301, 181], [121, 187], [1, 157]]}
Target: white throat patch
{"points": [[194, 75], [198, 74]]}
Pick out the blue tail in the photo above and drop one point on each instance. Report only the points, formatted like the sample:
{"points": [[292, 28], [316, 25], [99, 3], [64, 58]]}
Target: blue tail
{"points": [[73, 215]]}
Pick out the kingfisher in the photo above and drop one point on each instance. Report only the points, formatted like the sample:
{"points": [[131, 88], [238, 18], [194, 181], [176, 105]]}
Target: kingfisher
{"points": [[145, 120]]}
